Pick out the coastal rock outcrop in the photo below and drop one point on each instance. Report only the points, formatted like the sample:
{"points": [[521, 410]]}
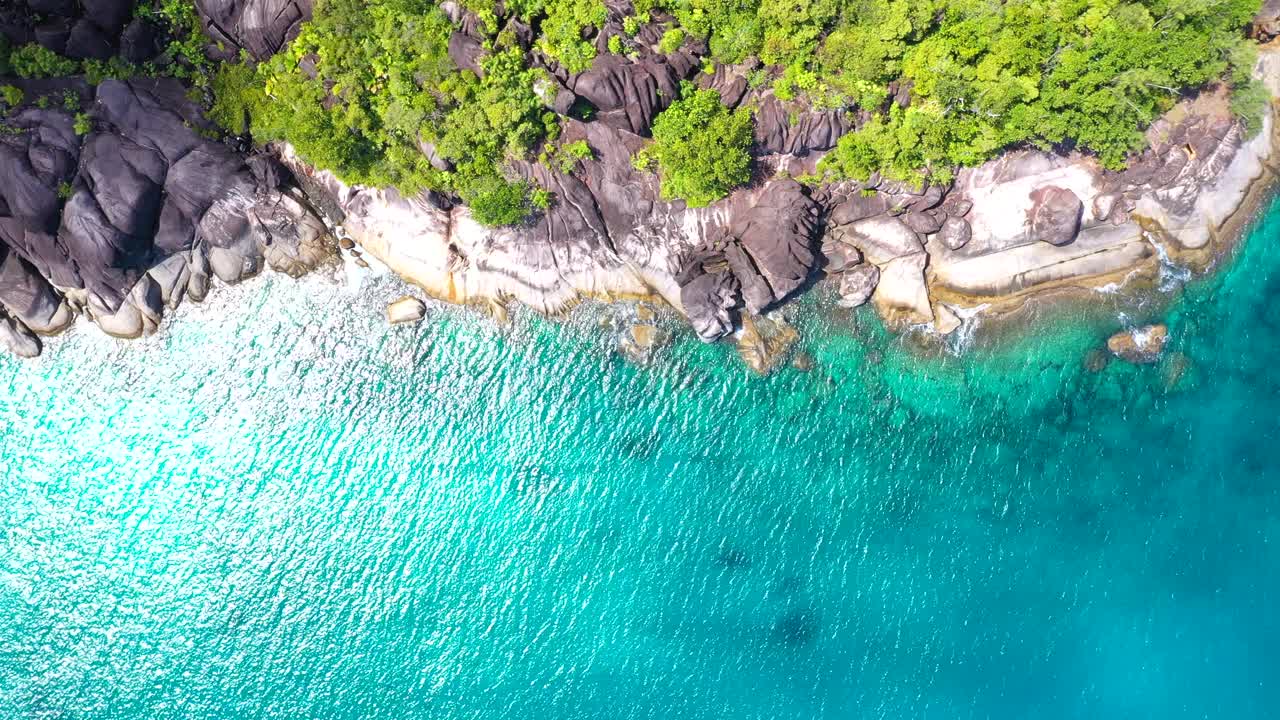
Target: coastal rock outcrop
{"points": [[138, 213], [96, 30]]}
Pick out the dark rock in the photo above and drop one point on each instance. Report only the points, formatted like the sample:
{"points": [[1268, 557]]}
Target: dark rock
{"points": [[779, 131], [1055, 215], [731, 84], [957, 206], [777, 229], [763, 255], [109, 15], [65, 8], [1266, 22], [629, 95], [17, 339], [710, 301], [54, 34], [1174, 163], [955, 233], [27, 296], [140, 42], [87, 41]]}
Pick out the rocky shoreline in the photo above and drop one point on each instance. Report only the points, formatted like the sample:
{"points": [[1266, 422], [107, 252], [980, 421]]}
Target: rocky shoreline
{"points": [[128, 218]]}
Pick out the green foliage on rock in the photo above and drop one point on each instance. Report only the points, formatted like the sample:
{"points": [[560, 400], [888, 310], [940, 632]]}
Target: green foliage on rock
{"points": [[671, 40], [562, 31], [12, 96], [1248, 103], [35, 61], [700, 148], [1089, 74], [368, 91]]}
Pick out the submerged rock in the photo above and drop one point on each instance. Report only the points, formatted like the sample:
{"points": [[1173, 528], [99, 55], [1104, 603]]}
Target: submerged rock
{"points": [[764, 342], [1142, 345]]}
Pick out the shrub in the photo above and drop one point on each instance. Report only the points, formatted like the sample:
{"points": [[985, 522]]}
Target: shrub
{"points": [[671, 41], [700, 148], [34, 61], [12, 96], [562, 32]]}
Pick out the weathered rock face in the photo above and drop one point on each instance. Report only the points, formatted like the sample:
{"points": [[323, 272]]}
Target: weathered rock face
{"points": [[262, 27], [767, 245], [780, 132], [1141, 345], [137, 214], [858, 284], [955, 233], [629, 95], [1055, 215], [1266, 24]]}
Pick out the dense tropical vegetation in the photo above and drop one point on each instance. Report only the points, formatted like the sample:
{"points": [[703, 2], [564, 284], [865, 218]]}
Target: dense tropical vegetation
{"points": [[369, 90]]}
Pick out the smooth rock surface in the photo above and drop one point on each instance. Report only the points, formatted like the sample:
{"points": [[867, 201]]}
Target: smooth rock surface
{"points": [[407, 309]]}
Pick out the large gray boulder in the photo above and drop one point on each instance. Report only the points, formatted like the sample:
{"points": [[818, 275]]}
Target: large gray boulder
{"points": [[1055, 215]]}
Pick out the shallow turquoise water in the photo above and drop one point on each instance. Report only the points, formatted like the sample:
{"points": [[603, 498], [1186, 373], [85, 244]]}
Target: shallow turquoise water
{"points": [[282, 508]]}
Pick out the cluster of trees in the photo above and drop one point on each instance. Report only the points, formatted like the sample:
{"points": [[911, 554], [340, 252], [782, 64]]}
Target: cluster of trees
{"points": [[700, 149], [368, 91], [984, 75]]}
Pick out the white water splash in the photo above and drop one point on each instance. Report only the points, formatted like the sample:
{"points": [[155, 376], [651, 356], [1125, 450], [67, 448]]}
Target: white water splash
{"points": [[961, 340], [1172, 275]]}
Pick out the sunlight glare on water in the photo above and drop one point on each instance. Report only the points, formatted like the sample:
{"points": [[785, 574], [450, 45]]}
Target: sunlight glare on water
{"points": [[280, 507]]}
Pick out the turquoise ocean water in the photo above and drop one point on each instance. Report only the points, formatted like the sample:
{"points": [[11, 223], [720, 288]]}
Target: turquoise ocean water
{"points": [[282, 508]]}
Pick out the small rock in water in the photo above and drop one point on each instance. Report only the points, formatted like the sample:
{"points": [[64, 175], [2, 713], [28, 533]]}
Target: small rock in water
{"points": [[640, 341], [1175, 369], [1141, 345], [360, 262], [803, 362], [346, 244], [407, 309], [945, 320]]}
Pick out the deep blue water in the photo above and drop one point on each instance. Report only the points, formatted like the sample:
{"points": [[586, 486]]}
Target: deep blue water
{"points": [[281, 508]]}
